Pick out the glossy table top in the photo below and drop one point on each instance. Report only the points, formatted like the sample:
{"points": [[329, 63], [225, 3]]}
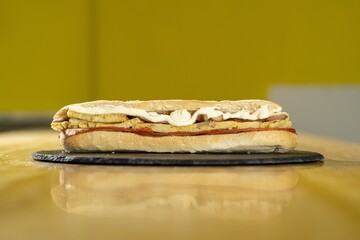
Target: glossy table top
{"points": [[60, 201]]}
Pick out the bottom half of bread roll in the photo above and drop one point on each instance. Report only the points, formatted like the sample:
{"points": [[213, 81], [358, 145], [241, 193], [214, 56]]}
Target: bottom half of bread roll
{"points": [[251, 140]]}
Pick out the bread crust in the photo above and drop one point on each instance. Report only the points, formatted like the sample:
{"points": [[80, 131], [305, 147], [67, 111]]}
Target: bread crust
{"points": [[255, 141]]}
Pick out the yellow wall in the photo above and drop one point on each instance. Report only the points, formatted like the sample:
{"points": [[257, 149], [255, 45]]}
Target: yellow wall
{"points": [[44, 53], [56, 52]]}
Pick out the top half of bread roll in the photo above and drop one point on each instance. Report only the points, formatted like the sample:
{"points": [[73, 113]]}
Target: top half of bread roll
{"points": [[173, 112]]}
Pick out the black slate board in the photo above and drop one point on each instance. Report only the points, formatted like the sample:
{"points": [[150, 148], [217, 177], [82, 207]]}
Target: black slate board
{"points": [[177, 159]]}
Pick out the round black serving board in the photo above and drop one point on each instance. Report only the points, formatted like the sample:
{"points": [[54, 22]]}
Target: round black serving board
{"points": [[177, 159]]}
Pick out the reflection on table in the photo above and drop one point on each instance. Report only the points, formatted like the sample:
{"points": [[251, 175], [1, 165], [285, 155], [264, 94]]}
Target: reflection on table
{"points": [[180, 192]]}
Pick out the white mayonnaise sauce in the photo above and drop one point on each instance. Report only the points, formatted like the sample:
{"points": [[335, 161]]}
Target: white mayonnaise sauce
{"points": [[179, 117]]}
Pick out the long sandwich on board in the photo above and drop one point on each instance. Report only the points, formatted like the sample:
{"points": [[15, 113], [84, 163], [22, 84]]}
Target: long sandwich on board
{"points": [[175, 126]]}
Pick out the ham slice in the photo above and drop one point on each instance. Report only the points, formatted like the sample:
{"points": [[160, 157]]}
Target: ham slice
{"points": [[149, 132]]}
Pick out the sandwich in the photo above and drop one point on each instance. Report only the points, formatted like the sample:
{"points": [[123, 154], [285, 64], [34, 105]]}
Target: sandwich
{"points": [[175, 126], [177, 193]]}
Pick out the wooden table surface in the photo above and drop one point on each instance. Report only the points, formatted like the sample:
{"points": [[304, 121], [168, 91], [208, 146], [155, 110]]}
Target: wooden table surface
{"points": [[59, 201]]}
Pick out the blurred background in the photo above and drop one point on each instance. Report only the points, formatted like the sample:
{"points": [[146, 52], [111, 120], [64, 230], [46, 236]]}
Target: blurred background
{"points": [[303, 54]]}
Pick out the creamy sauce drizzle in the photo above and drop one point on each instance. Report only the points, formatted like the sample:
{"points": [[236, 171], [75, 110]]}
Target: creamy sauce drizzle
{"points": [[179, 117]]}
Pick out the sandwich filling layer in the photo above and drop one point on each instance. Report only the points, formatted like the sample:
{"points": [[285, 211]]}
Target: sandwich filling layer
{"points": [[180, 117], [149, 132], [208, 117]]}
